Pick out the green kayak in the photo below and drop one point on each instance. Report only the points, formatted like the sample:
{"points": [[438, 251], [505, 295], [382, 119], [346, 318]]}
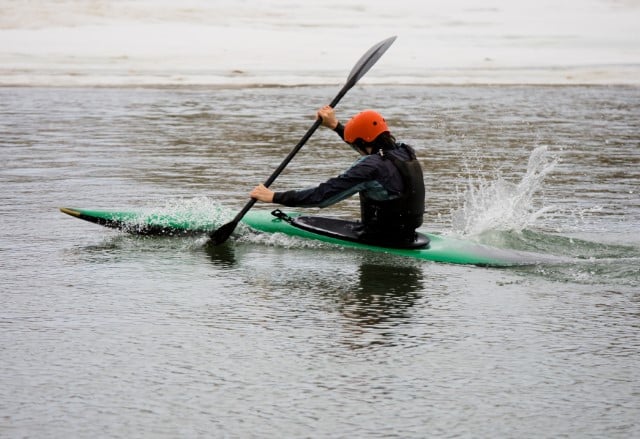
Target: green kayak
{"points": [[432, 247]]}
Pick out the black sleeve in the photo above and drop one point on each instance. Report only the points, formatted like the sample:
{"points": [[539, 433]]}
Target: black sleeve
{"points": [[285, 198], [333, 190]]}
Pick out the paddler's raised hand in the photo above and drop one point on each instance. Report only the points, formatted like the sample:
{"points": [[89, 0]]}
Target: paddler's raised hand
{"points": [[328, 117], [262, 193]]}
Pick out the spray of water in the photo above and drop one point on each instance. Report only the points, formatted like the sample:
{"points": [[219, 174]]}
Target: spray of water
{"points": [[201, 213], [497, 204], [205, 213]]}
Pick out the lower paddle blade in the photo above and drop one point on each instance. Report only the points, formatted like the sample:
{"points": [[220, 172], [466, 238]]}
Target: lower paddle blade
{"points": [[222, 234]]}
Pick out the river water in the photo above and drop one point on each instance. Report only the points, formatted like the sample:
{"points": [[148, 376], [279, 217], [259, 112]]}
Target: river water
{"points": [[105, 334]]}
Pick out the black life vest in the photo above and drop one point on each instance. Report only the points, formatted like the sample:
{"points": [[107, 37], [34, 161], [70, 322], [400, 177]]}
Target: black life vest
{"points": [[403, 215]]}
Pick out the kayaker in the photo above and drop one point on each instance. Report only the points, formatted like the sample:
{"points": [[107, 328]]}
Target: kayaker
{"points": [[388, 178]]}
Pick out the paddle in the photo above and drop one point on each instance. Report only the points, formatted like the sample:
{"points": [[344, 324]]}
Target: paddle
{"points": [[362, 66]]}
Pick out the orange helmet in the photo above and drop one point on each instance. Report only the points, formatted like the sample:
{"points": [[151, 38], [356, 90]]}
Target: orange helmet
{"points": [[366, 126]]}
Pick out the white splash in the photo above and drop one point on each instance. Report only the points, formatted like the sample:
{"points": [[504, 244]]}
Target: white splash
{"points": [[200, 213], [501, 205]]}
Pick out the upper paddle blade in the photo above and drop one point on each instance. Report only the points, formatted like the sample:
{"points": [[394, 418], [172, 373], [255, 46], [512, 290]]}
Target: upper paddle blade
{"points": [[222, 234], [368, 60]]}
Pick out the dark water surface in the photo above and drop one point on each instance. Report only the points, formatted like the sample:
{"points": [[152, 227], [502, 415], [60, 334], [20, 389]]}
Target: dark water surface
{"points": [[109, 335]]}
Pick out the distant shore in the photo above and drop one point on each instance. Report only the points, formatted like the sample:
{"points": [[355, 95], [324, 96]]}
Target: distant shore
{"points": [[268, 43]]}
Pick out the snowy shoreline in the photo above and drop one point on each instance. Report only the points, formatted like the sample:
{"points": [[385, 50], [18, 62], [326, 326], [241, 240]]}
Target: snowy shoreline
{"points": [[269, 43]]}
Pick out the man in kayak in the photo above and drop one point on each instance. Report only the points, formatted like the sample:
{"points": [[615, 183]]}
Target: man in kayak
{"points": [[388, 178]]}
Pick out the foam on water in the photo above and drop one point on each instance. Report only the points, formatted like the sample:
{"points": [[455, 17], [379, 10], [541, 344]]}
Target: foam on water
{"points": [[245, 234]]}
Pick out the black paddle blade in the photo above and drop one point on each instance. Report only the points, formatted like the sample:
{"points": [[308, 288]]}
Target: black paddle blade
{"points": [[222, 234], [368, 60]]}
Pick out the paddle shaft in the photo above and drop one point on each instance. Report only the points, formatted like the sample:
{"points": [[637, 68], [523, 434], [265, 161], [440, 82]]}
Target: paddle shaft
{"points": [[291, 154]]}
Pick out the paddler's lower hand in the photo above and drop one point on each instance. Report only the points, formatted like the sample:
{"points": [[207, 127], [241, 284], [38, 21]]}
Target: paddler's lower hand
{"points": [[261, 193], [328, 117]]}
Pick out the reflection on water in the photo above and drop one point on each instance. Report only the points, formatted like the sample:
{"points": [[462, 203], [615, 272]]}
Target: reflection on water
{"points": [[381, 300], [369, 294], [222, 256], [384, 293]]}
